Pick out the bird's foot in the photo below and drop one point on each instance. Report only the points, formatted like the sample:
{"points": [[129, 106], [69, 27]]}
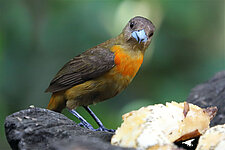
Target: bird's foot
{"points": [[99, 129], [88, 126], [80, 124], [105, 129]]}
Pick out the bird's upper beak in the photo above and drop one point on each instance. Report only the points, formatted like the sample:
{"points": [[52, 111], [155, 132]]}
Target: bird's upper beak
{"points": [[140, 35]]}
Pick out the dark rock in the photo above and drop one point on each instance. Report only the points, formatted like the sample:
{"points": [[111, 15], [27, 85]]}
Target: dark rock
{"points": [[38, 128], [84, 143], [211, 93]]}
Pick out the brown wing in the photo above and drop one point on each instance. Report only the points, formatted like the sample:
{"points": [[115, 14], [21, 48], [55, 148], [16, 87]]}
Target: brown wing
{"points": [[84, 67]]}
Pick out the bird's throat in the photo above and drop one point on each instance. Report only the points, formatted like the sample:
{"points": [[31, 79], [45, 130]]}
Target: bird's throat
{"points": [[127, 62]]}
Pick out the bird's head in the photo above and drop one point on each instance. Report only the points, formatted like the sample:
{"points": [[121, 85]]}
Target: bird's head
{"points": [[139, 32]]}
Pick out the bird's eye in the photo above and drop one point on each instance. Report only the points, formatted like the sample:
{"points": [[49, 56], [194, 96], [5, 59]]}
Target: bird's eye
{"points": [[151, 34], [131, 25]]}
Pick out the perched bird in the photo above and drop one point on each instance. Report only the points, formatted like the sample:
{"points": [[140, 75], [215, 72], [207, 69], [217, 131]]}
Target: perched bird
{"points": [[101, 72]]}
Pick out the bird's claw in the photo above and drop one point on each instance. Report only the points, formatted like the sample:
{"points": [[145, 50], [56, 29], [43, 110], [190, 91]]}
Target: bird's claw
{"points": [[105, 129], [88, 126], [99, 129], [81, 124]]}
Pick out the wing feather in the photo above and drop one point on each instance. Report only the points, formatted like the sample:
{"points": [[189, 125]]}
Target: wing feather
{"points": [[86, 66]]}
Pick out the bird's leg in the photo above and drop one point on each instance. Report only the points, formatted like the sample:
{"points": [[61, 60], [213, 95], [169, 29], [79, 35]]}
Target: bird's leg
{"points": [[83, 122], [100, 124]]}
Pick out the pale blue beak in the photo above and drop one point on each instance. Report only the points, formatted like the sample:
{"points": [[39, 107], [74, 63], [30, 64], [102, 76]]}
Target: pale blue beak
{"points": [[140, 35]]}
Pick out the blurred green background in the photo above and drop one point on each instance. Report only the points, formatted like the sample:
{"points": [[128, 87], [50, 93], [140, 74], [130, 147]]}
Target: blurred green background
{"points": [[37, 37]]}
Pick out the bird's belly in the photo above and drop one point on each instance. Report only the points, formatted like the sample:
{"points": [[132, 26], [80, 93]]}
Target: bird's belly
{"points": [[107, 85], [96, 90], [117, 81]]}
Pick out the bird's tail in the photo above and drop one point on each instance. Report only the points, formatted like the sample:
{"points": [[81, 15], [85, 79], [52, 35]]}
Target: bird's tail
{"points": [[57, 102]]}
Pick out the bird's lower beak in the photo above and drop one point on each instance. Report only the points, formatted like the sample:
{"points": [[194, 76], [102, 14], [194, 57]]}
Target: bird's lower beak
{"points": [[140, 35]]}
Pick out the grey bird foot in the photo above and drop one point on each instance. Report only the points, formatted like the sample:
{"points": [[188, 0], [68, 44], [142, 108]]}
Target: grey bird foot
{"points": [[80, 124], [99, 129], [105, 129], [88, 126]]}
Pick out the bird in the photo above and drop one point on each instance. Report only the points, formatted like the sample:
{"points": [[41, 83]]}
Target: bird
{"points": [[101, 72]]}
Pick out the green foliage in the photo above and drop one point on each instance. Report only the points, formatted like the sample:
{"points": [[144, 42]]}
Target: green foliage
{"points": [[38, 37]]}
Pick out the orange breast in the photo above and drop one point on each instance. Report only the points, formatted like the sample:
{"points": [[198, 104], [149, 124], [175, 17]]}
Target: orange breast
{"points": [[127, 62]]}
